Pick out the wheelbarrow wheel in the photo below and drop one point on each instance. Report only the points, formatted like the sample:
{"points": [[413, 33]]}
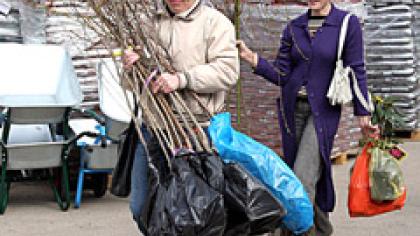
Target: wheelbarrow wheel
{"points": [[4, 198], [60, 186], [4, 188], [100, 184], [57, 180]]}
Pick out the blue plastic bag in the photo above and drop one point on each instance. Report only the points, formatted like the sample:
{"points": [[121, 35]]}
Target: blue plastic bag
{"points": [[268, 167]]}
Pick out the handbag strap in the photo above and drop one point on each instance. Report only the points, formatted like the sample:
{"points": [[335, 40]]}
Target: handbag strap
{"points": [[367, 104], [343, 34]]}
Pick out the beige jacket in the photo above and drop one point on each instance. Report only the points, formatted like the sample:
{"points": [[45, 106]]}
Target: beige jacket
{"points": [[202, 48]]}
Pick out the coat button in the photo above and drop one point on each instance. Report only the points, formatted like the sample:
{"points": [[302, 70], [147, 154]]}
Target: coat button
{"points": [[311, 95], [320, 130], [316, 113]]}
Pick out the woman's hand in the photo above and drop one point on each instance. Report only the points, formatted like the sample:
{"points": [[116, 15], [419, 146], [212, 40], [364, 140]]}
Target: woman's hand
{"points": [[369, 130], [129, 58], [247, 54]]}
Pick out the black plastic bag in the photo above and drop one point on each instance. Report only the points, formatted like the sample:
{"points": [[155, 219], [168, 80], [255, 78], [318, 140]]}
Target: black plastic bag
{"points": [[210, 168], [251, 208], [121, 176], [180, 201]]}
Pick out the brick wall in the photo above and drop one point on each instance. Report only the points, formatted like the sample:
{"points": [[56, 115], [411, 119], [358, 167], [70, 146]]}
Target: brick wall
{"points": [[259, 116]]}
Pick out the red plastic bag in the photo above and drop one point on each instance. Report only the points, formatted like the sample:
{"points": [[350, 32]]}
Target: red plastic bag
{"points": [[359, 201]]}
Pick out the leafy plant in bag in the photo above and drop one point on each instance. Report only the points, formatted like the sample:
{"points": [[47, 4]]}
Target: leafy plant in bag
{"points": [[385, 175], [388, 118], [386, 115], [360, 203]]}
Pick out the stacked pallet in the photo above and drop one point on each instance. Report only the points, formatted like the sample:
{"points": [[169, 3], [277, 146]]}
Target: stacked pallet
{"points": [[390, 54], [416, 9], [10, 22], [10, 27]]}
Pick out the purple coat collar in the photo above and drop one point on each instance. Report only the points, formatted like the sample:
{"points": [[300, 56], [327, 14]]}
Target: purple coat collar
{"points": [[333, 18]]}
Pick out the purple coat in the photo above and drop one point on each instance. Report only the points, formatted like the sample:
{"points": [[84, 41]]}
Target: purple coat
{"points": [[302, 59]]}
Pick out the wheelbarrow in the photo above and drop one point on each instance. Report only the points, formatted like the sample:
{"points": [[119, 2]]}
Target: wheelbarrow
{"points": [[36, 95], [98, 155]]}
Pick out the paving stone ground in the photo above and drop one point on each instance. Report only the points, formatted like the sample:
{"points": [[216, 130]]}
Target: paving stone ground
{"points": [[32, 210]]}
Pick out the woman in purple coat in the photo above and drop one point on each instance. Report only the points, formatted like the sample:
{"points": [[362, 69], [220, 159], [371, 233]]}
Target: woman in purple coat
{"points": [[304, 67]]}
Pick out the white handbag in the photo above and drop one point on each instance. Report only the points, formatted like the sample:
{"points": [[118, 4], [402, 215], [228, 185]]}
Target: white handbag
{"points": [[340, 92]]}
